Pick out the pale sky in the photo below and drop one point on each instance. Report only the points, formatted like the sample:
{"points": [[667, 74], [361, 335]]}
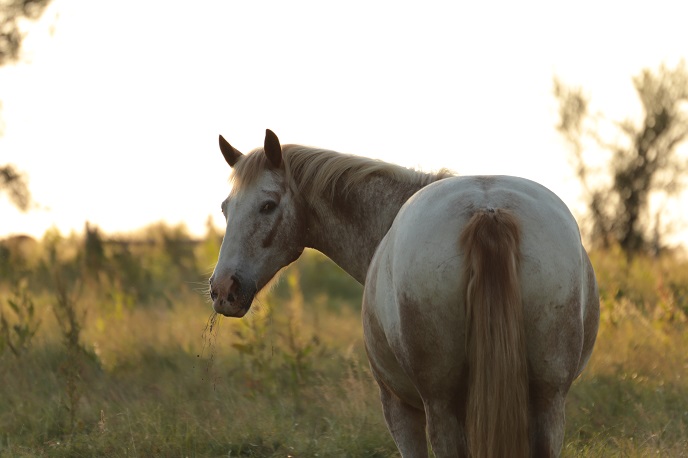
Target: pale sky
{"points": [[115, 108]]}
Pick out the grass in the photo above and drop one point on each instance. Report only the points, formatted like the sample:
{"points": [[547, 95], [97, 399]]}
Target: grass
{"points": [[151, 384], [102, 375], [633, 398]]}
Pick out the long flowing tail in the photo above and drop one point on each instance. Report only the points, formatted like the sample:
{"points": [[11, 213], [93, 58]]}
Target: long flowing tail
{"points": [[497, 410]]}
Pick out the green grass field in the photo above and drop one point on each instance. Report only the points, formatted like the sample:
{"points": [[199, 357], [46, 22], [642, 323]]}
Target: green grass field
{"points": [[112, 350]]}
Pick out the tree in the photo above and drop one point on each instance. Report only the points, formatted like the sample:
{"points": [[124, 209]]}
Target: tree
{"points": [[643, 163], [12, 12], [14, 184]]}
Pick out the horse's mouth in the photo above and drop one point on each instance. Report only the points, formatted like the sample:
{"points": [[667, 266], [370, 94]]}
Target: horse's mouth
{"points": [[233, 307]]}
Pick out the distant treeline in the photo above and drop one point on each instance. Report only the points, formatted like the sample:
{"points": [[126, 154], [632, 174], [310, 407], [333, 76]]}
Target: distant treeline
{"points": [[155, 263], [159, 262]]}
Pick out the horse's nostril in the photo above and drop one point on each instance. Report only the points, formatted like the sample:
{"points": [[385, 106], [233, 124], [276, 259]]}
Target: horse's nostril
{"points": [[234, 289]]}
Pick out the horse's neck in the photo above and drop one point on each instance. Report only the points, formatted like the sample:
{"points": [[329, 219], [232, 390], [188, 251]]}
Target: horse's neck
{"points": [[349, 229]]}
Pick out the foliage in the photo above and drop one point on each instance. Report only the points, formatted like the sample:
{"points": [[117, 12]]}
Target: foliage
{"points": [[117, 368], [69, 324], [12, 12], [16, 334], [643, 165], [14, 183]]}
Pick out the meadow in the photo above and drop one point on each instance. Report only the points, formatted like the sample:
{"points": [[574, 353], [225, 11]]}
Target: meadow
{"points": [[109, 347]]}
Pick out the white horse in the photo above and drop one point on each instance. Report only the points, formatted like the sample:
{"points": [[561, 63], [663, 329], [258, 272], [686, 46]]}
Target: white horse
{"points": [[480, 304]]}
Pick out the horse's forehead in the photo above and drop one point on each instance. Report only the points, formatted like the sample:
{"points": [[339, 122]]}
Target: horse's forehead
{"points": [[266, 181]]}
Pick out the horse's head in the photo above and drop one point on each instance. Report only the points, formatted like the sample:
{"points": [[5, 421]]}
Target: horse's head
{"points": [[263, 232]]}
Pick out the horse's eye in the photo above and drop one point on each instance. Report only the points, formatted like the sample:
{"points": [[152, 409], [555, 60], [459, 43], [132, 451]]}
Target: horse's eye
{"points": [[268, 207]]}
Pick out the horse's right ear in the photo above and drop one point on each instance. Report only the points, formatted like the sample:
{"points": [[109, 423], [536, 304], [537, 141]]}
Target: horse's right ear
{"points": [[229, 152]]}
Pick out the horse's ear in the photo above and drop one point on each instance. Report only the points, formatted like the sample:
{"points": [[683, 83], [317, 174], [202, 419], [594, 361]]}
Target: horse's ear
{"points": [[229, 152], [273, 149]]}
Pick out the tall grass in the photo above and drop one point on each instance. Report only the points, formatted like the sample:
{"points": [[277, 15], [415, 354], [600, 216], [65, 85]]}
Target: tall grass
{"points": [[120, 359], [632, 400]]}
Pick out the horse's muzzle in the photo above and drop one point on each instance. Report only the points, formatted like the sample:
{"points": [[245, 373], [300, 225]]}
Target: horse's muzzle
{"points": [[232, 296]]}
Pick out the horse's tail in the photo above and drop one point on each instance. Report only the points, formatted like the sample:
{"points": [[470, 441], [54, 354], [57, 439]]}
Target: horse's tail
{"points": [[497, 407]]}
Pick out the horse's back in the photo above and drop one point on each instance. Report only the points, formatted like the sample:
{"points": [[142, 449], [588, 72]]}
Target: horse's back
{"points": [[415, 300]]}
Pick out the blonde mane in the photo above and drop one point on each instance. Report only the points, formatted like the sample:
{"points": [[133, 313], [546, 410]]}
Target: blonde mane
{"points": [[317, 172]]}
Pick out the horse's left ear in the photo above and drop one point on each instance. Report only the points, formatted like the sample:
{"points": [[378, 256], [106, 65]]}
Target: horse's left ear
{"points": [[229, 152], [273, 149]]}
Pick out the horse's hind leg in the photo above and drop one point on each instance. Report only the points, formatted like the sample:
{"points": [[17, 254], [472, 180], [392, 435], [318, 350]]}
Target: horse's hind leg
{"points": [[446, 430], [547, 419], [405, 423]]}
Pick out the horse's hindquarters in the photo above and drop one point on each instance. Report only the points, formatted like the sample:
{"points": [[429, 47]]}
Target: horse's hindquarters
{"points": [[414, 307]]}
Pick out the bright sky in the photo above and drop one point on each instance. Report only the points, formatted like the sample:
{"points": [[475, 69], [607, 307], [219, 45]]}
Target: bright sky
{"points": [[115, 108]]}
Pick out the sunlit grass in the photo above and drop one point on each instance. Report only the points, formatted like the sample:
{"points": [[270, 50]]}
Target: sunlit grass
{"points": [[632, 400], [159, 386], [291, 378]]}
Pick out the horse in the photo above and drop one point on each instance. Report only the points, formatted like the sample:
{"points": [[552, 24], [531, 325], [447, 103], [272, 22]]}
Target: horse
{"points": [[480, 304]]}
